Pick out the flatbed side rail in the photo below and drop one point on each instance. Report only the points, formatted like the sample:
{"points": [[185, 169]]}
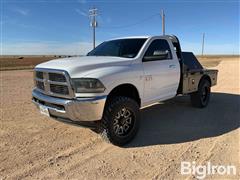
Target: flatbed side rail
{"points": [[192, 78]]}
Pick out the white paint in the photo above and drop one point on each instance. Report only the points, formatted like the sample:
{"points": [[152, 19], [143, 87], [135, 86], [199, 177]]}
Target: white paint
{"points": [[114, 71], [201, 171]]}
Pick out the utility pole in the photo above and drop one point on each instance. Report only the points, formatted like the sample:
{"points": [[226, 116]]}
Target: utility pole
{"points": [[203, 38], [163, 22], [93, 24]]}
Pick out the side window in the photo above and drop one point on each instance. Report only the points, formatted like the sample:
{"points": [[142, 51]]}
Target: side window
{"points": [[158, 50]]}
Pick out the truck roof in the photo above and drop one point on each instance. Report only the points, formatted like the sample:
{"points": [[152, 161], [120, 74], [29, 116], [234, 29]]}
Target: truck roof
{"points": [[131, 37], [140, 37]]}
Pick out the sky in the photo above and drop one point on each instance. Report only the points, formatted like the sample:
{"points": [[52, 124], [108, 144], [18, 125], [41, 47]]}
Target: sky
{"points": [[49, 27]]}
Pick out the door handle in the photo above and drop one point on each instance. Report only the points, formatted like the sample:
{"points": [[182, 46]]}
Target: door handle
{"points": [[172, 66]]}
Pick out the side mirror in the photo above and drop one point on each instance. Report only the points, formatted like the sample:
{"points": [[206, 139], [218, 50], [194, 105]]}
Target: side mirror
{"points": [[157, 55]]}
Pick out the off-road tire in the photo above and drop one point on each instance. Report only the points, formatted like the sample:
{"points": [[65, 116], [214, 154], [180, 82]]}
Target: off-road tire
{"points": [[200, 99], [108, 123]]}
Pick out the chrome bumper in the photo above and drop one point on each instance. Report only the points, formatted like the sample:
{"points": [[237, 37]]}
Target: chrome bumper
{"points": [[79, 109]]}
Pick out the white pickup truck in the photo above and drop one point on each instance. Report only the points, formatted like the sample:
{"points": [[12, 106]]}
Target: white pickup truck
{"points": [[105, 89]]}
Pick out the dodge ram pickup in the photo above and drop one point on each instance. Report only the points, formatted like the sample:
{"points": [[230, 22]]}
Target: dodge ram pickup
{"points": [[106, 89]]}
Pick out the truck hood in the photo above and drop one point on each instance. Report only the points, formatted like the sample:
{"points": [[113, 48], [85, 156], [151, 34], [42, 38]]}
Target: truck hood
{"points": [[76, 65]]}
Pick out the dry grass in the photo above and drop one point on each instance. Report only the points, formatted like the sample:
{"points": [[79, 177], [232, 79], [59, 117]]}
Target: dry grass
{"points": [[210, 63], [29, 62], [23, 62], [214, 60]]}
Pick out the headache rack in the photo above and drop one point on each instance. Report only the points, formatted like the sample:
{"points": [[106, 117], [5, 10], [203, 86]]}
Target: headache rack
{"points": [[191, 70], [53, 83]]}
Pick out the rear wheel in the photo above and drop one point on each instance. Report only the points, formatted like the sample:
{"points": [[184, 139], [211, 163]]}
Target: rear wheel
{"points": [[201, 98], [120, 121]]}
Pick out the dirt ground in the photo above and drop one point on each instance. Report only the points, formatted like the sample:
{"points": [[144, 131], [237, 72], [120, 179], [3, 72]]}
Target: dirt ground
{"points": [[33, 146]]}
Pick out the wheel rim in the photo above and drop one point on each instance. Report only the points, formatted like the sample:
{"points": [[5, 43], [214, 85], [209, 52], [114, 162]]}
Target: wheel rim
{"points": [[123, 122], [205, 94]]}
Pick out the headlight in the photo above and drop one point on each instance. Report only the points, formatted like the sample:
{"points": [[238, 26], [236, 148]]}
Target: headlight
{"points": [[87, 85]]}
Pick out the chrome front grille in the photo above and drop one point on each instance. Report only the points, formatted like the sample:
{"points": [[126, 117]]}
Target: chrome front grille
{"points": [[57, 77], [53, 83], [40, 85], [39, 74], [59, 89]]}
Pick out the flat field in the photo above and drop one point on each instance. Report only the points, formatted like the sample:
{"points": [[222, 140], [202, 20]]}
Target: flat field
{"points": [[33, 146], [23, 62], [28, 62]]}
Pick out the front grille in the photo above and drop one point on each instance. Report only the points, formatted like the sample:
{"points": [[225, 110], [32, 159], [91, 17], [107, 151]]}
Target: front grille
{"points": [[57, 77], [53, 83], [40, 85], [57, 106], [39, 74], [59, 89]]}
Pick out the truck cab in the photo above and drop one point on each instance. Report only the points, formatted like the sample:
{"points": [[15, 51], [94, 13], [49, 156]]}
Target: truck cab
{"points": [[106, 89]]}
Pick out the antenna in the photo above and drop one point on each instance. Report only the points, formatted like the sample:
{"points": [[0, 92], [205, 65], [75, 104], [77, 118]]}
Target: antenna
{"points": [[93, 24], [163, 22]]}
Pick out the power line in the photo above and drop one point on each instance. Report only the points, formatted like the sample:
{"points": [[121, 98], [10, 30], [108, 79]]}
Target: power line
{"points": [[133, 24]]}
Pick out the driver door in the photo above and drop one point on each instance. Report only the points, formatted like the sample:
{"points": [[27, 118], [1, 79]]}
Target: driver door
{"points": [[161, 72]]}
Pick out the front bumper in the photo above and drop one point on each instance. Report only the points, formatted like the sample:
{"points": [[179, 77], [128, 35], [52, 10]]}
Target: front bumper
{"points": [[79, 109]]}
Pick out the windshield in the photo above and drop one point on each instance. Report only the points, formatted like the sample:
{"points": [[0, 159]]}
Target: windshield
{"points": [[128, 48]]}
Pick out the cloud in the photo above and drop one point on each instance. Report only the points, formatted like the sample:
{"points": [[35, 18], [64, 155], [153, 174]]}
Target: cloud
{"points": [[23, 12], [47, 48], [82, 12], [14, 23], [103, 20]]}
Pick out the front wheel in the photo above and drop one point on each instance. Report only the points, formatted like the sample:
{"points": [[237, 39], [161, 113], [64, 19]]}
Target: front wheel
{"points": [[120, 121], [201, 98]]}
